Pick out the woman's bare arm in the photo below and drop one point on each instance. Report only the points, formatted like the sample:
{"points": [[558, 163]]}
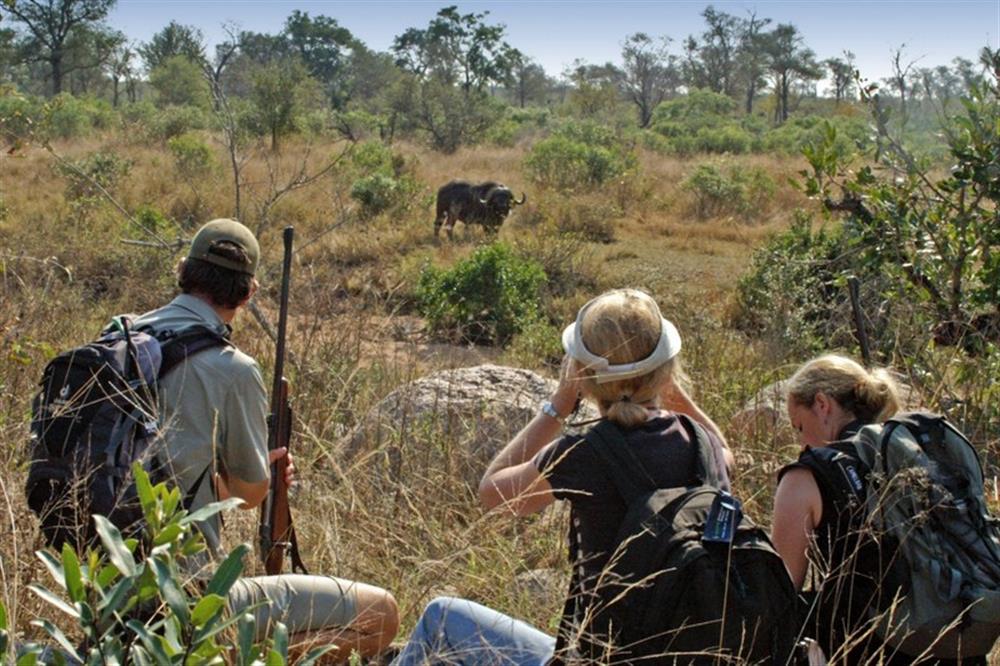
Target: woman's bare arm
{"points": [[798, 508]]}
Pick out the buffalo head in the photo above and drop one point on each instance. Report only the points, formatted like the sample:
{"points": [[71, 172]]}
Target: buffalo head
{"points": [[500, 200]]}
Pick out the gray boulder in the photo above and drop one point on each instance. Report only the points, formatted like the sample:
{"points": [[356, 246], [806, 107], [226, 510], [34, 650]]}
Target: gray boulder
{"points": [[459, 418]]}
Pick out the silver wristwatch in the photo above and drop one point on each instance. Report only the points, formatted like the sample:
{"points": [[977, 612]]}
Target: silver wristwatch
{"points": [[549, 410]]}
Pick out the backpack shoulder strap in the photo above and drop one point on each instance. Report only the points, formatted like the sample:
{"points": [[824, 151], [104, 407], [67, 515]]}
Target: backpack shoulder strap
{"points": [[840, 473], [178, 348], [706, 470], [627, 473]]}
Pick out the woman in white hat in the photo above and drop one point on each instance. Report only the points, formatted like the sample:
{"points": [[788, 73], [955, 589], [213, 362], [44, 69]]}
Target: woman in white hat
{"points": [[622, 355]]}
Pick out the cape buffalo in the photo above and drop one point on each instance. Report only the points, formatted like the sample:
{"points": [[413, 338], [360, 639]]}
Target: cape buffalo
{"points": [[487, 204]]}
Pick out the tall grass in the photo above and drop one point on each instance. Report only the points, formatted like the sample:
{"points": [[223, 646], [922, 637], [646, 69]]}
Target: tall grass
{"points": [[354, 339]]}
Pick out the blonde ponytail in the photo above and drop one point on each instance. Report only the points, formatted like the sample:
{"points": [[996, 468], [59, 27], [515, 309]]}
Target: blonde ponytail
{"points": [[871, 396]]}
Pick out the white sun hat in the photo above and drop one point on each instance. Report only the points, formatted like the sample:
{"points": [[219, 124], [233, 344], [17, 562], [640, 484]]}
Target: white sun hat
{"points": [[666, 348]]}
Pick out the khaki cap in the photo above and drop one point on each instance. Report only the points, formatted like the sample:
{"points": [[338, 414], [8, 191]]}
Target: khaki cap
{"points": [[225, 230]]}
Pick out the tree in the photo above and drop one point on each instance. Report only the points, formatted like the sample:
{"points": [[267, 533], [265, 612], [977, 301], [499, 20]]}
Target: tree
{"points": [[937, 235], [718, 50], [529, 82], [595, 88], [900, 78], [87, 54], [649, 73], [457, 49], [174, 40], [324, 47], [789, 62], [179, 81], [121, 68], [752, 57], [51, 25], [281, 91], [841, 76]]}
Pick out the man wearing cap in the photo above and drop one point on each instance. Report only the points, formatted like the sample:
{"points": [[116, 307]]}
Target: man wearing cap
{"points": [[214, 413]]}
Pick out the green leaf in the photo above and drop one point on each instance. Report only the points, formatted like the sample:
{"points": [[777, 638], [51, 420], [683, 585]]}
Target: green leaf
{"points": [[54, 566], [227, 573], [28, 658], [170, 590], [144, 489], [115, 601], [118, 553], [209, 510], [59, 637], [54, 600], [206, 608], [244, 639], [168, 534], [149, 641], [72, 573], [3, 617], [106, 576], [279, 644]]}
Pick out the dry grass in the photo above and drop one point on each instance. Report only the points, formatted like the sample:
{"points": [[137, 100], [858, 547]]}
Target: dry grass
{"points": [[355, 340]]}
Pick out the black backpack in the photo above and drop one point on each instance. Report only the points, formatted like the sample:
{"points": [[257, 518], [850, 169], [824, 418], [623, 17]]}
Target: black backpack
{"points": [[917, 485], [95, 415], [692, 579]]}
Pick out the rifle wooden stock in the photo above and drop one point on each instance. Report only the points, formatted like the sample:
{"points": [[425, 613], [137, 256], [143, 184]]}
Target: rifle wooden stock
{"points": [[277, 534]]}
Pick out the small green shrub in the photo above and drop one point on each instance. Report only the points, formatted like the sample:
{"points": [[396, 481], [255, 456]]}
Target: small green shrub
{"points": [[593, 223], [134, 608], [174, 121], [376, 193], [745, 192], [562, 163], [538, 343], [487, 298], [383, 183], [89, 175], [192, 156]]}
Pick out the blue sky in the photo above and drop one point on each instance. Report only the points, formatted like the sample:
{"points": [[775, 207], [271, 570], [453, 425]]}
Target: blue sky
{"points": [[554, 32]]}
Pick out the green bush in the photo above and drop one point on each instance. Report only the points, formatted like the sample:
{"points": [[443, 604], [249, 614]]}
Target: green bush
{"points": [[376, 193], [487, 298], [565, 164], [192, 156], [593, 223], [88, 176], [383, 183], [802, 131], [134, 608], [176, 120], [18, 114], [745, 192]]}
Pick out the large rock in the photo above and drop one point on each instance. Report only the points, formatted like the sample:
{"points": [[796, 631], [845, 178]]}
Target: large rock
{"points": [[460, 418]]}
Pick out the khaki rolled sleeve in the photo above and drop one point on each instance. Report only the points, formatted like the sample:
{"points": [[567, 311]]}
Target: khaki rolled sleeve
{"points": [[244, 442]]}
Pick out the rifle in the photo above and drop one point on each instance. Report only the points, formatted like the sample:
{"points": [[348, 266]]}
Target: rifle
{"points": [[277, 534]]}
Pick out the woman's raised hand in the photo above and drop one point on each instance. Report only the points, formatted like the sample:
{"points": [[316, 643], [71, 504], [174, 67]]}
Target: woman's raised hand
{"points": [[568, 391]]}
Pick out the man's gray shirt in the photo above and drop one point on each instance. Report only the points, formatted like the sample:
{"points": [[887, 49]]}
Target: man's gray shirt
{"points": [[214, 408]]}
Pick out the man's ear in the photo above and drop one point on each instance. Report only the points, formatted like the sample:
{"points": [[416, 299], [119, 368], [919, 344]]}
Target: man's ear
{"points": [[254, 286]]}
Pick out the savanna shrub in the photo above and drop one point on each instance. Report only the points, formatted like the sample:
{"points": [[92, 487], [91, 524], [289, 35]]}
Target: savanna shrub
{"points": [[376, 193], [538, 342], [176, 120], [565, 164], [487, 298], [795, 294], [66, 117], [383, 183], [852, 135], [744, 192], [17, 114], [138, 607], [192, 156], [591, 222], [89, 175]]}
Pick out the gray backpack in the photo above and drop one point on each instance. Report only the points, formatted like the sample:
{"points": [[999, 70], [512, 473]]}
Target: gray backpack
{"points": [[925, 494]]}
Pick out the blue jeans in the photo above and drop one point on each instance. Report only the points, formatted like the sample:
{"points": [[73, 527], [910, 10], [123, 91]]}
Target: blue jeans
{"points": [[462, 633]]}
